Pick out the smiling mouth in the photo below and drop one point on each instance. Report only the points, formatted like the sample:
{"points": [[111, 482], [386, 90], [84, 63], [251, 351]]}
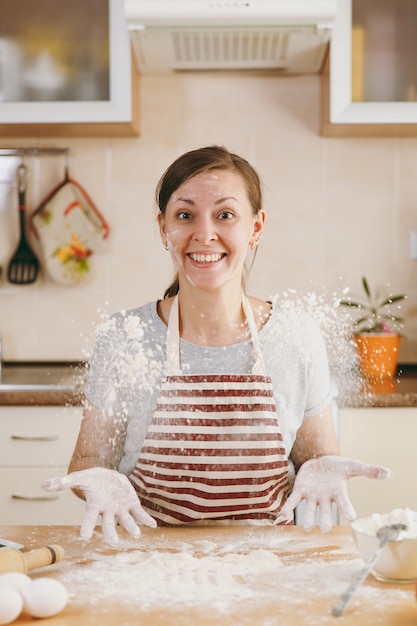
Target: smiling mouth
{"points": [[207, 258]]}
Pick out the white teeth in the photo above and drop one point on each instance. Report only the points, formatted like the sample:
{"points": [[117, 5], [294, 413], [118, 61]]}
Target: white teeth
{"points": [[206, 258]]}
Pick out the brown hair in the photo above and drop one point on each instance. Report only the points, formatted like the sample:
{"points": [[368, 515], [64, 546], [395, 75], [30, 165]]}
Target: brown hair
{"points": [[203, 160]]}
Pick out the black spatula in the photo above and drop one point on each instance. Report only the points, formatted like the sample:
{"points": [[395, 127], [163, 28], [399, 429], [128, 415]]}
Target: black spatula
{"points": [[24, 265]]}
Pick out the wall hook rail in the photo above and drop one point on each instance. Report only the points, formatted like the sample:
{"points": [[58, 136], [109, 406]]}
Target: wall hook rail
{"points": [[9, 152]]}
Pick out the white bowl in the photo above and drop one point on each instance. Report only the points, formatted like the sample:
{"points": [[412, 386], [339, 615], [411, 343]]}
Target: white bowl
{"points": [[397, 562]]}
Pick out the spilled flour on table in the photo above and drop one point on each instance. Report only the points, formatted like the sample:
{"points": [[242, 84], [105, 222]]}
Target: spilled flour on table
{"points": [[223, 581], [149, 579]]}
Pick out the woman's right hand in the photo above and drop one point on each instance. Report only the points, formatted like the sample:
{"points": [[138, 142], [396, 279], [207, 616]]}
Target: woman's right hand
{"points": [[107, 493]]}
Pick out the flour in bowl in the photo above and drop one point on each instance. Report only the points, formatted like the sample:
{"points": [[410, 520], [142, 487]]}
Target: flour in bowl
{"points": [[370, 525]]}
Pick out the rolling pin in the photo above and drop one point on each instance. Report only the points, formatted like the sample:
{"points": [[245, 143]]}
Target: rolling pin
{"points": [[14, 560]]}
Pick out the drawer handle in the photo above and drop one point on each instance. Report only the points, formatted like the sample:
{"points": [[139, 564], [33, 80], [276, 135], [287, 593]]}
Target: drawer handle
{"points": [[35, 437], [15, 496]]}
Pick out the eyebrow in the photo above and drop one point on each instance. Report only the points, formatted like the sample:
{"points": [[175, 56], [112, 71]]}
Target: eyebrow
{"points": [[219, 201]]}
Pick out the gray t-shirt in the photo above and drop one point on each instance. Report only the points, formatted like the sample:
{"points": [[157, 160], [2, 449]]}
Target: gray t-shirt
{"points": [[129, 363]]}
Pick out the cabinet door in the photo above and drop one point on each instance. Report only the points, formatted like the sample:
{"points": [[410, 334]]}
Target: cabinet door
{"points": [[370, 83], [22, 500], [38, 435], [385, 436], [66, 70], [36, 443]]}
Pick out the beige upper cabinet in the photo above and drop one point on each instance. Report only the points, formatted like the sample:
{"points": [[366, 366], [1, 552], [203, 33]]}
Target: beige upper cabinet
{"points": [[66, 69], [369, 85]]}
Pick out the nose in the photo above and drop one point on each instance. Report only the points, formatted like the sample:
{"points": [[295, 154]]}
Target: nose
{"points": [[205, 231]]}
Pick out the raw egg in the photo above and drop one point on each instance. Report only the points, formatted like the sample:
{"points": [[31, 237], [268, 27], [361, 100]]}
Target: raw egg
{"points": [[14, 579], [11, 604], [44, 597]]}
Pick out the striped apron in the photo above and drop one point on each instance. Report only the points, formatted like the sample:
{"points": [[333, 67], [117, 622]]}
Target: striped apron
{"points": [[213, 452]]}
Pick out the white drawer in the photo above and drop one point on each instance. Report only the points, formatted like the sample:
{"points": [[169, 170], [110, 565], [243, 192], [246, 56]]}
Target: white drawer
{"points": [[23, 501], [38, 435]]}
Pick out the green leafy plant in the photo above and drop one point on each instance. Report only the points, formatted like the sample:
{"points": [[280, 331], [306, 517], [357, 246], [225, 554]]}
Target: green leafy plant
{"points": [[377, 316]]}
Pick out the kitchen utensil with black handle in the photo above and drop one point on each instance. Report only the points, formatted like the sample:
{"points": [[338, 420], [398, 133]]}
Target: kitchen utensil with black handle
{"points": [[24, 265]]}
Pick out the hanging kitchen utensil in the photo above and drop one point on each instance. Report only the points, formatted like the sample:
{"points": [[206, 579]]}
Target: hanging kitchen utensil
{"points": [[24, 265], [70, 229]]}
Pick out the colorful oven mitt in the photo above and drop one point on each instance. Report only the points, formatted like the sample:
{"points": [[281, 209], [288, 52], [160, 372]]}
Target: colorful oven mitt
{"points": [[70, 229]]}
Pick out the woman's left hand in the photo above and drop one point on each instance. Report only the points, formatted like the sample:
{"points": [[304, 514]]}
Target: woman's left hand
{"points": [[322, 481]]}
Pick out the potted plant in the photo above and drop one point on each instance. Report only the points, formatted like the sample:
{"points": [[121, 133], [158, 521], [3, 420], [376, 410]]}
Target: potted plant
{"points": [[376, 333]]}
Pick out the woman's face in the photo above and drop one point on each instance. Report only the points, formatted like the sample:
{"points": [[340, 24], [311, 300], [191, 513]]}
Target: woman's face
{"points": [[208, 226]]}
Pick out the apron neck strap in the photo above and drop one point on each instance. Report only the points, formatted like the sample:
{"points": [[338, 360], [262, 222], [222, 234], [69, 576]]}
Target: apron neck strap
{"points": [[258, 366], [173, 340]]}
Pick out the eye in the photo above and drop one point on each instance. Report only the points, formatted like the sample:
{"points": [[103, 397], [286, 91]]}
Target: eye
{"points": [[226, 215], [183, 215]]}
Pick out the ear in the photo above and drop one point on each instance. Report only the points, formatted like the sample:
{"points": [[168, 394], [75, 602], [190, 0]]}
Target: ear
{"points": [[162, 231], [259, 223]]}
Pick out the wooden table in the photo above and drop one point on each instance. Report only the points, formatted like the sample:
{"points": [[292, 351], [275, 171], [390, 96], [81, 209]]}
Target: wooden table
{"points": [[285, 576]]}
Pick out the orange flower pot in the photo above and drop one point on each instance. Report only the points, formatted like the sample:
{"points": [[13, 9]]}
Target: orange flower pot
{"points": [[378, 354]]}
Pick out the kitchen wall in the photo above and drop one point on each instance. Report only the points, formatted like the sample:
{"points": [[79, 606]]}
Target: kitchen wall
{"points": [[337, 208]]}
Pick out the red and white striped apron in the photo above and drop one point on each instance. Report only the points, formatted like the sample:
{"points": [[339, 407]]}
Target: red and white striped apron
{"points": [[213, 452]]}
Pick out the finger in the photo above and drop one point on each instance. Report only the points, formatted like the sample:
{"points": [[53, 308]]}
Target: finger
{"points": [[129, 524], [54, 484], [326, 515], [370, 471], [108, 526], [142, 517], [345, 506], [89, 522], [292, 501], [354, 467], [73, 480], [310, 514], [382, 473]]}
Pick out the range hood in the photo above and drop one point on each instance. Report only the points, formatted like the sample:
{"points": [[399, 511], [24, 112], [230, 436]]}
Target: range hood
{"points": [[290, 36]]}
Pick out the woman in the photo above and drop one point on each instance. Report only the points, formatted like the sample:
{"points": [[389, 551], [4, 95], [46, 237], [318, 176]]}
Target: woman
{"points": [[200, 406]]}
